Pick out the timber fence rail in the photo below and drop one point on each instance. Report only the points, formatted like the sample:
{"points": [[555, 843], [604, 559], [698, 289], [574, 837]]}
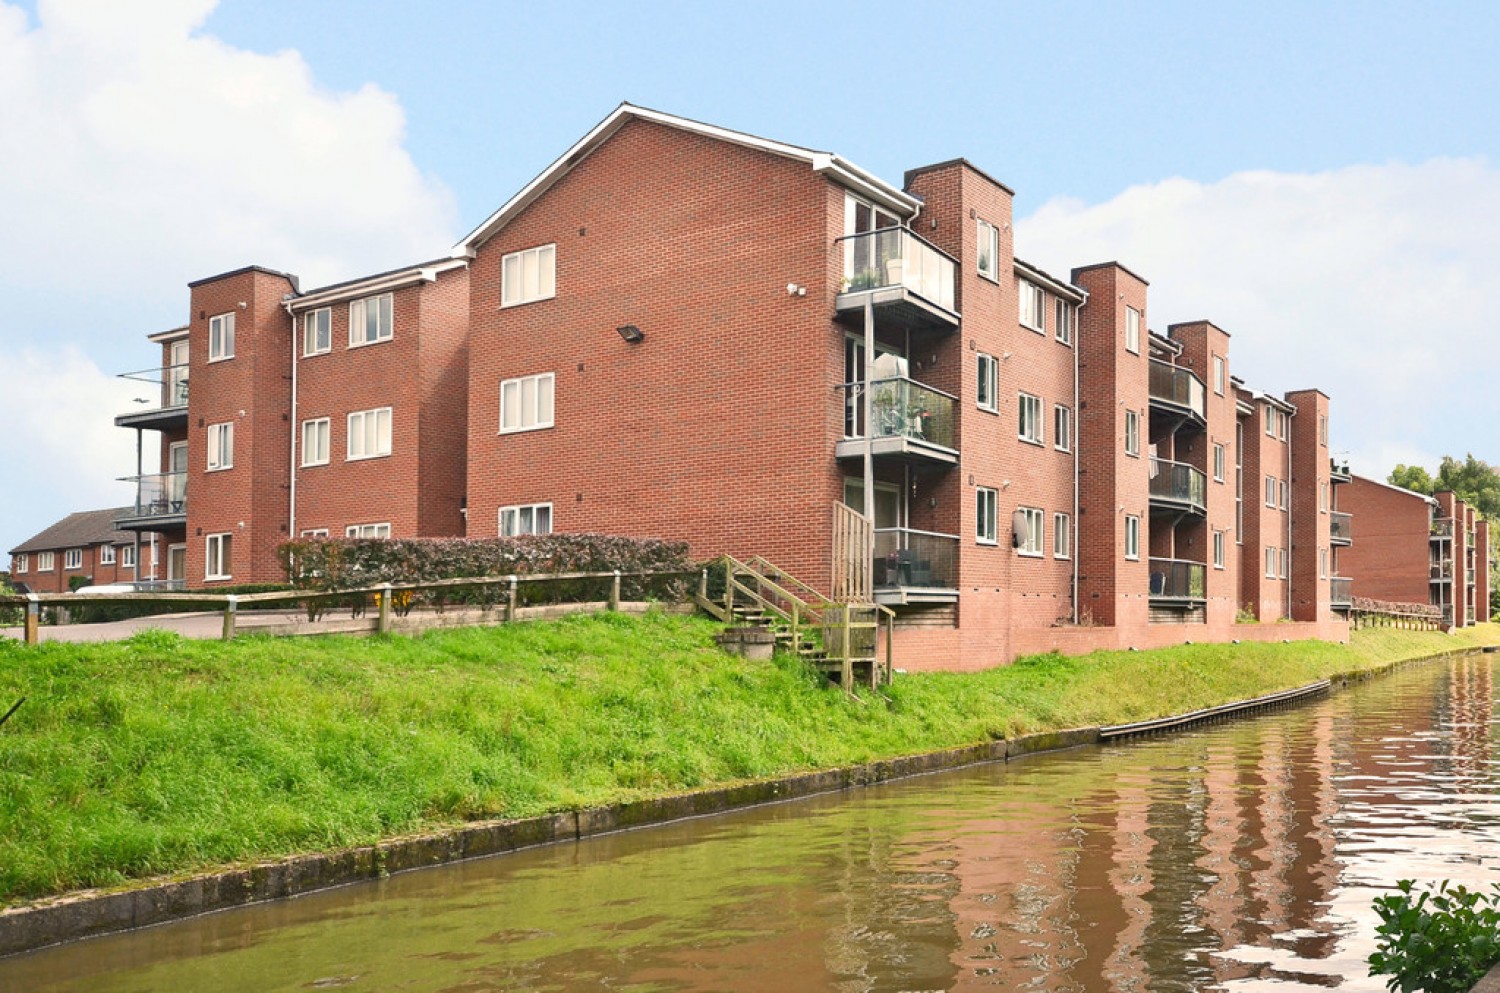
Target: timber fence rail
{"points": [[385, 599], [1367, 613]]}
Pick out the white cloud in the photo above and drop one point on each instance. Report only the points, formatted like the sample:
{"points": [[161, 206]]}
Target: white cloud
{"points": [[1375, 284]]}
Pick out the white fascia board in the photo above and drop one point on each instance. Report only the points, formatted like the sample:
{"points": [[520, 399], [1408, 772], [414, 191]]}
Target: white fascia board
{"points": [[1430, 501], [379, 284], [162, 337], [1059, 287]]}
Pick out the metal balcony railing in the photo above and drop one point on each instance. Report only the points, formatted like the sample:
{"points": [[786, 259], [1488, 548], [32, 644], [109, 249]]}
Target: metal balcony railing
{"points": [[1339, 470], [1177, 386], [1178, 579], [173, 383], [1341, 591], [897, 257], [1340, 527], [1442, 527], [1178, 483], [159, 494], [1441, 570], [906, 557], [901, 408]]}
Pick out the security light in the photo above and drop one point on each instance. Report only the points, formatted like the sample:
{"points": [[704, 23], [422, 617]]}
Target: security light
{"points": [[632, 334]]}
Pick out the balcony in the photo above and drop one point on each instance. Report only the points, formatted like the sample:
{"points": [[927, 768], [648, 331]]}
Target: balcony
{"points": [[1340, 528], [160, 502], [1341, 591], [915, 566], [1178, 581], [1440, 571], [171, 402], [909, 282], [1339, 470], [1177, 391], [913, 423], [1442, 529], [1178, 486]]}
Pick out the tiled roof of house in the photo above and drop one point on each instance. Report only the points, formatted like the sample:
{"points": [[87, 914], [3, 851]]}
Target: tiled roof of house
{"points": [[80, 530]]}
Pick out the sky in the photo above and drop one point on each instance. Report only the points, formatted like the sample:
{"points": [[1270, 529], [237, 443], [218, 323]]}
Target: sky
{"points": [[1318, 179]]}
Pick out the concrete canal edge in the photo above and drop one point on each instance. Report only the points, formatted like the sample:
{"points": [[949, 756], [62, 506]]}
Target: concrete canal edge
{"points": [[88, 913]]}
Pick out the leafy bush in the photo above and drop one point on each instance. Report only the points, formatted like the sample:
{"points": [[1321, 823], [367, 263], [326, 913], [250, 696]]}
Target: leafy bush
{"points": [[1444, 941]]}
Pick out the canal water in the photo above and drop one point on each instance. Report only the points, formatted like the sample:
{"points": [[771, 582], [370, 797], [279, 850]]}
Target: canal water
{"points": [[1242, 856]]}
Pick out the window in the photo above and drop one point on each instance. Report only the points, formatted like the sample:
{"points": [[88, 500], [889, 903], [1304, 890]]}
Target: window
{"points": [[1132, 330], [1239, 482], [1218, 549], [1062, 536], [526, 403], [529, 275], [369, 434], [1218, 463], [127, 556], [1282, 420], [221, 446], [533, 518], [1031, 538], [1062, 428], [1322, 563], [1030, 428], [1270, 421], [21, 563], [989, 382], [1033, 300], [986, 506], [1270, 563], [315, 441], [73, 558], [317, 331], [1132, 537], [1270, 491], [46, 561], [313, 533], [221, 337], [1066, 316], [106, 554], [366, 531], [1285, 558], [370, 320], [989, 251], [1219, 374], [1323, 430], [216, 556], [1284, 492], [1132, 433], [1322, 498]]}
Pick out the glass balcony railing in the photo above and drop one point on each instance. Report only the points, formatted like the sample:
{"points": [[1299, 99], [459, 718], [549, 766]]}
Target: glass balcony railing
{"points": [[172, 381], [901, 408], [1176, 386], [1179, 483], [897, 257], [1440, 570], [905, 557], [1341, 591], [1340, 527], [1339, 470], [159, 494], [1442, 527], [1178, 579]]}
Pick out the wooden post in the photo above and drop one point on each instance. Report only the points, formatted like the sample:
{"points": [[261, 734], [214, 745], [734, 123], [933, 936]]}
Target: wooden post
{"points": [[703, 584], [890, 651], [383, 626], [231, 607], [796, 639], [33, 619], [510, 602], [614, 592], [728, 586], [846, 676]]}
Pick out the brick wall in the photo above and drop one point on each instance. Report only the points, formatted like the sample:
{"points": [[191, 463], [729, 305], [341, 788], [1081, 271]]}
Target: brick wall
{"points": [[1389, 556], [1311, 481]]}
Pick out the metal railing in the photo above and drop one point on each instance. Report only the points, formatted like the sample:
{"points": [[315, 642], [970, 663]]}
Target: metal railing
{"points": [[911, 558], [902, 408], [1339, 470], [897, 257], [1341, 591], [1442, 527], [1340, 526], [1178, 579], [1440, 570], [1178, 482], [1177, 386], [172, 379], [159, 494]]}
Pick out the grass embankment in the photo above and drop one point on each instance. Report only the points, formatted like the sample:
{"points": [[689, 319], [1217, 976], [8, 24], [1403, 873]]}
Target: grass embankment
{"points": [[159, 755]]}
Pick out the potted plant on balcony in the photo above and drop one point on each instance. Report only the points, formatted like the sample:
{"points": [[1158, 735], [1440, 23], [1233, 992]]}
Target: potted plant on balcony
{"points": [[865, 279]]}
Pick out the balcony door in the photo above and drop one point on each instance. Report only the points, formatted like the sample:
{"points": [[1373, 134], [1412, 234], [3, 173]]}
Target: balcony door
{"points": [[177, 375], [860, 217], [889, 364], [176, 481], [890, 511], [176, 563]]}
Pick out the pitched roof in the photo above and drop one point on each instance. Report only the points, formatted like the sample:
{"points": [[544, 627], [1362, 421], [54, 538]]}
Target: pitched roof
{"points": [[843, 170], [87, 527]]}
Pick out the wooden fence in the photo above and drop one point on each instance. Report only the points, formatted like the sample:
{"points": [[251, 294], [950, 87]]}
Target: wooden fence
{"points": [[1367, 613]]}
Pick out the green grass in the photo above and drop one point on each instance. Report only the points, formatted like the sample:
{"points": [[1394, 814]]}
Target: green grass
{"points": [[159, 755]]}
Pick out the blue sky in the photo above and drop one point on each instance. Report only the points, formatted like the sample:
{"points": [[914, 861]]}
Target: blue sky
{"points": [[1320, 179]]}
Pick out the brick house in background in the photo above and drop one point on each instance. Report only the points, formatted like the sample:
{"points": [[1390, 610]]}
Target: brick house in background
{"points": [[82, 549], [670, 333]]}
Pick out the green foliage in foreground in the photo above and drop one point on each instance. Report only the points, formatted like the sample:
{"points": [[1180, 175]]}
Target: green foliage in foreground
{"points": [[1444, 941], [160, 755]]}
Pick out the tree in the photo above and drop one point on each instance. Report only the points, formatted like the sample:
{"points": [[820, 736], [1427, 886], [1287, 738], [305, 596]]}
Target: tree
{"points": [[1476, 483], [1411, 477]]}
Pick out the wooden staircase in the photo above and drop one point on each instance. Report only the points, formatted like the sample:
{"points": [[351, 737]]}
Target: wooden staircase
{"points": [[838, 638]]}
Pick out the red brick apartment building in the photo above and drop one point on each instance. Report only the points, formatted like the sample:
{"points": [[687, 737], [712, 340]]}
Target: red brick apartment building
{"points": [[682, 331], [82, 549]]}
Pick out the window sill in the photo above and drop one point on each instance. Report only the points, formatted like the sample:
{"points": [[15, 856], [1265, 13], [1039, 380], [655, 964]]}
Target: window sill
{"points": [[366, 344], [216, 579], [1029, 555], [313, 355], [219, 468], [990, 542], [1034, 330], [1066, 342], [1062, 558], [522, 303], [221, 358], [987, 410], [366, 458], [987, 276], [1059, 448], [313, 465], [534, 427], [1031, 441]]}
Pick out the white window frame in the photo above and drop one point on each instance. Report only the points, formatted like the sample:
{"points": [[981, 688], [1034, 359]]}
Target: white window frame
{"points": [[317, 332], [1270, 421], [1271, 491], [318, 453], [987, 242], [1035, 537], [1132, 537], [1322, 563], [72, 559], [356, 430], [516, 512], [127, 556], [1218, 549], [1285, 558], [1132, 330], [1062, 427], [986, 515], [544, 384], [1219, 377], [1322, 498], [374, 531], [359, 317], [1132, 434], [1033, 306], [1066, 318], [1283, 419], [221, 337], [220, 447], [1062, 536], [46, 561], [218, 552], [21, 563], [989, 383], [313, 533], [1029, 419], [1219, 462], [1286, 495], [1270, 562], [518, 286], [106, 554], [1323, 430]]}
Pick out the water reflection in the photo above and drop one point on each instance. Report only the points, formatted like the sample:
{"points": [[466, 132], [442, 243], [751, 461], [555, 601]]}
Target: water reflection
{"points": [[1239, 857]]}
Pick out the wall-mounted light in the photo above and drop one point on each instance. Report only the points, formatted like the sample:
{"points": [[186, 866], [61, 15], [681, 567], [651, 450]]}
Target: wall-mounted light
{"points": [[794, 290], [632, 334]]}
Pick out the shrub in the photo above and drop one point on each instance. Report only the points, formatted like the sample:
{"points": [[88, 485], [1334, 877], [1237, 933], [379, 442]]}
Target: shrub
{"points": [[1444, 941]]}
